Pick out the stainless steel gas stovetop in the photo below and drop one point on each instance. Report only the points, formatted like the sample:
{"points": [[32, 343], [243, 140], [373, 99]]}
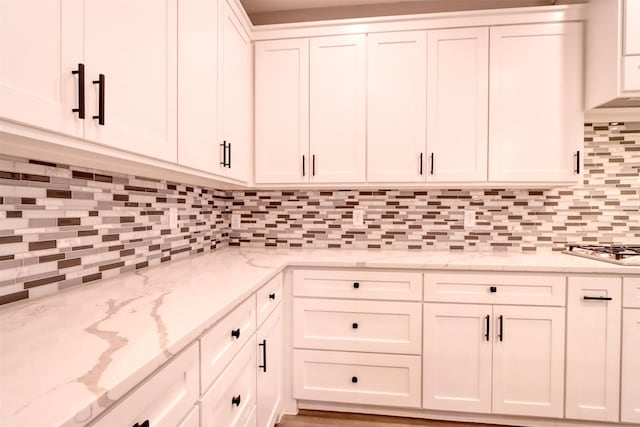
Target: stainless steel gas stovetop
{"points": [[616, 254]]}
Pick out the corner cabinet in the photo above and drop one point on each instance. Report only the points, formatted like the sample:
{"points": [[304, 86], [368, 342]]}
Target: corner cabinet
{"points": [[535, 103]]}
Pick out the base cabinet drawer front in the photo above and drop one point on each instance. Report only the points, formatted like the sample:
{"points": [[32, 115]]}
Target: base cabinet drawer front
{"points": [[631, 78], [225, 339], [231, 399], [360, 378], [268, 297], [352, 325], [473, 287], [358, 284], [631, 292], [193, 419], [593, 348], [164, 399], [630, 391]]}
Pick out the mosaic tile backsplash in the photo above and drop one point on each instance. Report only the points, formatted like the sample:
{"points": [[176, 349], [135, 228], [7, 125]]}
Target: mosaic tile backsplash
{"points": [[63, 226]]}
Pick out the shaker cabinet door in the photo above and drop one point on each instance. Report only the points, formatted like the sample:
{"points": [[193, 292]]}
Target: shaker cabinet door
{"points": [[630, 398]]}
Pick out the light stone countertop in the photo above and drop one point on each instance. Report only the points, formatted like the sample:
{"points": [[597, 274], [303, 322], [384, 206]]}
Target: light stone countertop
{"points": [[65, 358]]}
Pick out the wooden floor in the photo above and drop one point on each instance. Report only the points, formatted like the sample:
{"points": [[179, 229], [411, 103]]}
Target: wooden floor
{"points": [[325, 419]]}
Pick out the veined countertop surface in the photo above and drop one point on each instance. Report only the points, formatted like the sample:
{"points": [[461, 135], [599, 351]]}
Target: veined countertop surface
{"points": [[67, 357]]}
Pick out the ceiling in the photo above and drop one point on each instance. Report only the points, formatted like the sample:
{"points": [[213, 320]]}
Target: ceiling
{"points": [[283, 11]]}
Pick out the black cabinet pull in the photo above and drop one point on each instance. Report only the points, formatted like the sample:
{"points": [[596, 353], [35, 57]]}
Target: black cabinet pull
{"points": [[356, 285], [354, 379], [144, 424], [421, 155], [354, 325], [303, 166], [487, 320], [235, 400], [100, 82], [224, 154], [235, 333], [313, 165], [229, 158], [272, 296], [493, 289], [80, 110], [263, 344], [500, 332], [577, 155], [433, 155], [588, 298]]}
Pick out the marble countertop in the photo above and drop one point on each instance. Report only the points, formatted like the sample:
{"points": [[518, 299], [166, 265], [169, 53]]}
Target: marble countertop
{"points": [[65, 358]]}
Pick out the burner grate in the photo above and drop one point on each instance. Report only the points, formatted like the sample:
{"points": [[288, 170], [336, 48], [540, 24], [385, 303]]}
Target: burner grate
{"points": [[617, 251]]}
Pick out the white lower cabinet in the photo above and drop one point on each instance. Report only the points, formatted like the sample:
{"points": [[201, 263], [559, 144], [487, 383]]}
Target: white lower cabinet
{"points": [[630, 391], [193, 419], [232, 398], [270, 369]]}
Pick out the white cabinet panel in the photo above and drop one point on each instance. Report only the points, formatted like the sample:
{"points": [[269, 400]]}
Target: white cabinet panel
{"points": [[535, 102], [270, 369], [457, 357], [458, 97], [361, 378], [352, 325], [193, 419], [40, 46], [631, 292], [630, 391], [164, 399], [134, 45], [528, 361], [631, 73], [337, 108], [632, 28], [198, 145], [396, 106], [282, 111], [268, 297], [593, 348]]}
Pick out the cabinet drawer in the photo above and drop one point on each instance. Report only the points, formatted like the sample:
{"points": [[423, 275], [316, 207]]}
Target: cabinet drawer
{"points": [[232, 398], [359, 284], [164, 399], [352, 325], [525, 289], [631, 292], [631, 78], [268, 298], [375, 379], [193, 419], [225, 339]]}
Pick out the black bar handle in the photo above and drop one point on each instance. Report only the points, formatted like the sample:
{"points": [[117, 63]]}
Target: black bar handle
{"points": [[487, 319], [577, 162], [263, 344], [303, 166], [272, 295], [313, 165], [224, 154], [421, 156], [235, 400], [356, 285], [433, 155], [229, 159], [588, 298], [235, 333], [354, 325], [354, 379], [80, 110], [100, 82], [500, 332]]}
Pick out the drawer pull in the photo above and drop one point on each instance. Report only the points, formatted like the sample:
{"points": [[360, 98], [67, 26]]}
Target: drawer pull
{"points": [[272, 296], [235, 333], [263, 344], [100, 82], [354, 325], [144, 424], [500, 332], [356, 285], [588, 298], [80, 110], [354, 379], [235, 400], [493, 289], [487, 319]]}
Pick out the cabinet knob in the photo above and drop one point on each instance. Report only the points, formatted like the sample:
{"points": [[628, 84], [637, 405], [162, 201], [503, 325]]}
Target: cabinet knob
{"points": [[356, 285], [235, 333], [272, 296], [144, 424], [235, 400], [354, 379], [354, 325], [493, 289]]}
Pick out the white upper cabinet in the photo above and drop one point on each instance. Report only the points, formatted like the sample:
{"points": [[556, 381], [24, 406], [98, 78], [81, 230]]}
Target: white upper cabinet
{"points": [[282, 111], [133, 45], [235, 95], [198, 145], [396, 106], [337, 108], [40, 47], [632, 27], [457, 104], [535, 102]]}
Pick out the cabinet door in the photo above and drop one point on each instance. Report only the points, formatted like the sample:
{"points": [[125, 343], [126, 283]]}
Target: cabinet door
{"points": [[630, 397], [133, 44], [282, 111], [396, 106], [337, 109], [458, 97], [528, 361], [236, 92], [269, 393], [40, 46], [593, 348], [457, 357], [535, 102], [632, 27], [198, 145]]}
